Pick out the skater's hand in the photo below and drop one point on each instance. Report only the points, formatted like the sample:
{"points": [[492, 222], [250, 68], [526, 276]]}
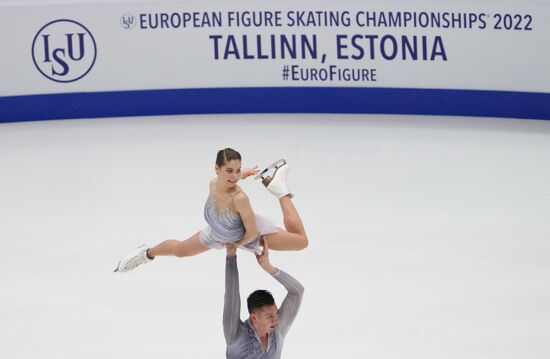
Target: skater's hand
{"points": [[247, 172], [263, 259], [231, 249]]}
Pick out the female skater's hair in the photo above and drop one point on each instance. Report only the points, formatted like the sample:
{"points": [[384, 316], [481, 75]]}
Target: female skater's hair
{"points": [[258, 299], [226, 155]]}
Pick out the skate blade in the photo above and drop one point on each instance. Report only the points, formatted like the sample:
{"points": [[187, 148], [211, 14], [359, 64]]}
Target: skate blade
{"points": [[116, 269], [277, 164]]}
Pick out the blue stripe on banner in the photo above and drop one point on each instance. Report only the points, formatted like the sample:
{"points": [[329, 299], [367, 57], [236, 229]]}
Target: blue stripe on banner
{"points": [[528, 105]]}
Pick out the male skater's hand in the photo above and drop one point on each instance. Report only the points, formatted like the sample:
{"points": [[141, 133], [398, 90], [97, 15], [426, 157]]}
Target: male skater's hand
{"points": [[231, 249], [263, 259]]}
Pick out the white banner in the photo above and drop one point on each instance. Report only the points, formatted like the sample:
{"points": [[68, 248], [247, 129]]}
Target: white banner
{"points": [[122, 46]]}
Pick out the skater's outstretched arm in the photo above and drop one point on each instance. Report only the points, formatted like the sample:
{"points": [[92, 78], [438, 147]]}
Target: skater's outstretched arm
{"points": [[291, 304], [232, 301], [247, 172], [242, 205]]}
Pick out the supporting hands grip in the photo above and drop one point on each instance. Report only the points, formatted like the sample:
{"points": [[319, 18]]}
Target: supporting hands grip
{"points": [[263, 259]]}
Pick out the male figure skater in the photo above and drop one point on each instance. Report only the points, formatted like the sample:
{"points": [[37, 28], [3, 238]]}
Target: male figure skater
{"points": [[263, 333]]}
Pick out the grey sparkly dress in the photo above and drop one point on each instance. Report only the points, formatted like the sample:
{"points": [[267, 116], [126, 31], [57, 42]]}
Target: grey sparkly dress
{"points": [[226, 226]]}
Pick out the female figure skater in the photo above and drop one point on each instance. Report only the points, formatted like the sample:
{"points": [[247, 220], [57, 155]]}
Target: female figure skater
{"points": [[230, 216]]}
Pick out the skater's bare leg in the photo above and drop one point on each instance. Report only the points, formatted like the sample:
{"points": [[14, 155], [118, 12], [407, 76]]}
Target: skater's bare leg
{"points": [[172, 247], [286, 241], [294, 238], [291, 218], [189, 247]]}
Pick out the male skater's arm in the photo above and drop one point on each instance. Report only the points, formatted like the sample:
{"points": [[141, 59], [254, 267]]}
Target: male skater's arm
{"points": [[232, 299], [291, 304]]}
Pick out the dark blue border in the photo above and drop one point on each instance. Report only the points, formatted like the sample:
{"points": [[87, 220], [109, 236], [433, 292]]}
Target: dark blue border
{"points": [[527, 105]]}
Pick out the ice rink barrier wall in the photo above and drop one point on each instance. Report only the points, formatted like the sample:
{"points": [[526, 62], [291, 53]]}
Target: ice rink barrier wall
{"points": [[70, 59]]}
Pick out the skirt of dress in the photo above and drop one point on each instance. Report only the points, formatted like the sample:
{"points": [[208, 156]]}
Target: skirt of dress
{"points": [[264, 226]]}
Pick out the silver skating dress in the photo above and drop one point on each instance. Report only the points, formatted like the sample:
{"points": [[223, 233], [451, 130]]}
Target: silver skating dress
{"points": [[226, 226]]}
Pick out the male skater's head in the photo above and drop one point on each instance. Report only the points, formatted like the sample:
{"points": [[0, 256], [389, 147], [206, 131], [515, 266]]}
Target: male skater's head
{"points": [[262, 310]]}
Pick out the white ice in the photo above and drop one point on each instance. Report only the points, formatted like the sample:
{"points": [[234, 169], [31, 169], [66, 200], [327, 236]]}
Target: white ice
{"points": [[429, 236]]}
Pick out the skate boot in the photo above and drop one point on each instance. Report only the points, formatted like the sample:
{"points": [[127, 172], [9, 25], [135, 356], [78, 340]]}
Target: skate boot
{"points": [[133, 259], [276, 183]]}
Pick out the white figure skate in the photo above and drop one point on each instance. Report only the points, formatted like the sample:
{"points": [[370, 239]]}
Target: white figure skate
{"points": [[276, 183], [133, 259]]}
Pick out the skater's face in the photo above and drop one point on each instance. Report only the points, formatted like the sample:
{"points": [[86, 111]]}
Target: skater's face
{"points": [[265, 319], [229, 173]]}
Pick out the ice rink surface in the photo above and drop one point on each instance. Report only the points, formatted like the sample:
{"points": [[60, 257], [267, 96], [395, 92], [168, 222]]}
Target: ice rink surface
{"points": [[429, 236]]}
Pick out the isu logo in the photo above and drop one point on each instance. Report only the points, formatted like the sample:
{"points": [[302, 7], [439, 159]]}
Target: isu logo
{"points": [[128, 21], [64, 51]]}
